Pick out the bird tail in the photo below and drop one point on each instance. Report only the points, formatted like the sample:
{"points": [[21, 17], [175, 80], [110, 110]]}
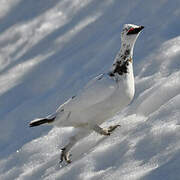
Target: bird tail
{"points": [[40, 121]]}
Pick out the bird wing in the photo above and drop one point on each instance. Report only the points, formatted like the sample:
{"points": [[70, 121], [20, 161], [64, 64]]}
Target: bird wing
{"points": [[96, 91]]}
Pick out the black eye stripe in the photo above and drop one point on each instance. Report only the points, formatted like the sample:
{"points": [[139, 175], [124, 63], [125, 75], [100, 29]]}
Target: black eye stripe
{"points": [[135, 30]]}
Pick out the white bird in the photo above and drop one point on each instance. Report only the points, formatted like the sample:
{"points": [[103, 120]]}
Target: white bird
{"points": [[101, 98]]}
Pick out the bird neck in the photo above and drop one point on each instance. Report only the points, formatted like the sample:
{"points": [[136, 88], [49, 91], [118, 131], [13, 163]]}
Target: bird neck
{"points": [[123, 60], [126, 52]]}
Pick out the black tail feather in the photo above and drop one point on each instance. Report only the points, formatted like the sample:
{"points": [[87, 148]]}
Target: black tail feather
{"points": [[38, 122]]}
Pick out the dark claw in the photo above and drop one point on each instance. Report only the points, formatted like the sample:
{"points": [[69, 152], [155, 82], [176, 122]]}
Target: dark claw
{"points": [[112, 128], [108, 134], [61, 156]]}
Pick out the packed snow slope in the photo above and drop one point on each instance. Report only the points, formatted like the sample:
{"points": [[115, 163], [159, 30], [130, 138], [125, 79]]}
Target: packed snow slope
{"points": [[49, 49]]}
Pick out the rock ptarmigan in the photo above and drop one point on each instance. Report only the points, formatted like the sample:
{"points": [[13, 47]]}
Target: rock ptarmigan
{"points": [[101, 98]]}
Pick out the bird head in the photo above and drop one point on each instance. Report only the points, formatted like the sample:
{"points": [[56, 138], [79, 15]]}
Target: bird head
{"points": [[130, 33]]}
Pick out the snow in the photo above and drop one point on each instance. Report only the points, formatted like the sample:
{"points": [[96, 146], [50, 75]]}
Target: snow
{"points": [[49, 50]]}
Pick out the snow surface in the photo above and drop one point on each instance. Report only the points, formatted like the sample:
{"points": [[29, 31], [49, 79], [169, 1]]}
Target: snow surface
{"points": [[50, 49]]}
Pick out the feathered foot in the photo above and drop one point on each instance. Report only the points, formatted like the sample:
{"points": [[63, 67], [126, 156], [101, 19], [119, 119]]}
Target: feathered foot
{"points": [[65, 156], [105, 131]]}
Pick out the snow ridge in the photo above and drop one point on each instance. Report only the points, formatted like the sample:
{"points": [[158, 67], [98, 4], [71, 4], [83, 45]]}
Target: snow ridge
{"points": [[49, 52]]}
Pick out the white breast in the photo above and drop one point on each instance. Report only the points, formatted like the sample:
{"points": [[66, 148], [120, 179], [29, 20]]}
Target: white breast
{"points": [[100, 100]]}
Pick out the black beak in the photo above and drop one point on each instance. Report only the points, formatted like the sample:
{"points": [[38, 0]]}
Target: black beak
{"points": [[140, 28], [135, 30]]}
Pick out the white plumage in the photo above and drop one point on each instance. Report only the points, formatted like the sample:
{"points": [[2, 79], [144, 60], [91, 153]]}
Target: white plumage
{"points": [[101, 98]]}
